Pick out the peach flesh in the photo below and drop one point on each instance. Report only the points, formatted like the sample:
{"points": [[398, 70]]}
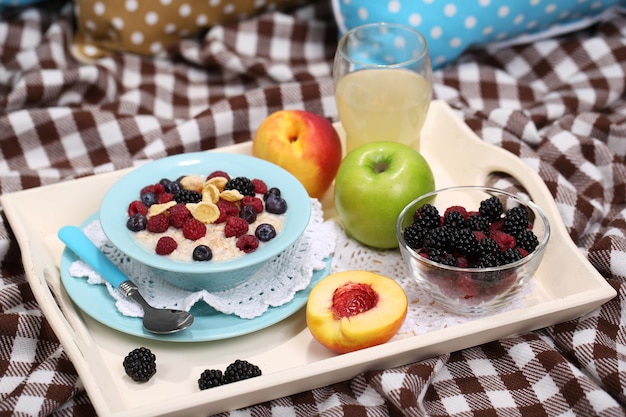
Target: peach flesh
{"points": [[353, 310]]}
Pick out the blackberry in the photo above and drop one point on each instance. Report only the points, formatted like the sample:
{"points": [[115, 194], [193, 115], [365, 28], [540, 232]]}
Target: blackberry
{"points": [[202, 253], [489, 260], [515, 220], [140, 364], [465, 242], [487, 246], [454, 219], [511, 255], [242, 184], [240, 370], [426, 217], [414, 236], [265, 232], [187, 196], [438, 238], [443, 257], [527, 240], [136, 222], [477, 223], [491, 208], [210, 378]]}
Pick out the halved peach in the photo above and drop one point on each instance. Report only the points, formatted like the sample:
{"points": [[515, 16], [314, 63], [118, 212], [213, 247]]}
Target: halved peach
{"points": [[352, 310]]}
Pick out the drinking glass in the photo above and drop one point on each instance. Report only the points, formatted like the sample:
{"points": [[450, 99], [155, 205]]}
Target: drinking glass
{"points": [[382, 76]]}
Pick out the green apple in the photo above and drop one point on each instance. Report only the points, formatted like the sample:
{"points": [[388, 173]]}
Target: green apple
{"points": [[373, 184]]}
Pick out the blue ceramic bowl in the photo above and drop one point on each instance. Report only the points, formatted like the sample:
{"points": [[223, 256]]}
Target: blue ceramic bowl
{"points": [[213, 275]]}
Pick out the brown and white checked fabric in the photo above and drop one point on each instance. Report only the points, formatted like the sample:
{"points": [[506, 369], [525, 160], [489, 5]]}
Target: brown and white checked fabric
{"points": [[559, 104]]}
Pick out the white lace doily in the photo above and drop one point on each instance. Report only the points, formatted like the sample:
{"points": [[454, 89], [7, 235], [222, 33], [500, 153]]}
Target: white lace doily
{"points": [[273, 285], [282, 277]]}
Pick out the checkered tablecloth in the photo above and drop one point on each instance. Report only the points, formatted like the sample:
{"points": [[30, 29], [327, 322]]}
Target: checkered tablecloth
{"points": [[559, 104]]}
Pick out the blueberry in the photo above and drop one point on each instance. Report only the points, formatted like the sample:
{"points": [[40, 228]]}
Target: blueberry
{"points": [[248, 213], [272, 192], [173, 187], [276, 205], [202, 253], [136, 222], [265, 232], [149, 199]]}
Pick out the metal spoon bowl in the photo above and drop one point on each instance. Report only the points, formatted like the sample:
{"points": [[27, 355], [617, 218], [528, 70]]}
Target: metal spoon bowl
{"points": [[155, 320]]}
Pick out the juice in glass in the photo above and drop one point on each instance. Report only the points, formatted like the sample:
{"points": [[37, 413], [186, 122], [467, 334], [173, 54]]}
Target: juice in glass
{"points": [[382, 105]]}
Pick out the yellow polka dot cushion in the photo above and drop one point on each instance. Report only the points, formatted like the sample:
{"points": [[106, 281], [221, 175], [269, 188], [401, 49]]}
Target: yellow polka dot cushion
{"points": [[451, 27], [148, 27]]}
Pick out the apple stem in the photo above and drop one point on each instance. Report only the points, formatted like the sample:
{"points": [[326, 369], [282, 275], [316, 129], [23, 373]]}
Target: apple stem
{"points": [[381, 166]]}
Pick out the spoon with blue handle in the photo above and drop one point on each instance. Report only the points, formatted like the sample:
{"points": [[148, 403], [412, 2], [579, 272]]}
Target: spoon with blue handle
{"points": [[155, 320]]}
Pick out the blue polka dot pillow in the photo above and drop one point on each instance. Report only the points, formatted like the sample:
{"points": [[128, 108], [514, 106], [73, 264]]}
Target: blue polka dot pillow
{"points": [[453, 26]]}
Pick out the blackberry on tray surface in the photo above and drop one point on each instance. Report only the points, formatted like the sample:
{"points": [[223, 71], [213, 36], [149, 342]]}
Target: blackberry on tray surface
{"points": [[240, 370], [210, 378], [140, 364], [237, 371]]}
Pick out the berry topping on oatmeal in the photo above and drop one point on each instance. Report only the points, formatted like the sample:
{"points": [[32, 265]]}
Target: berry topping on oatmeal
{"points": [[206, 218]]}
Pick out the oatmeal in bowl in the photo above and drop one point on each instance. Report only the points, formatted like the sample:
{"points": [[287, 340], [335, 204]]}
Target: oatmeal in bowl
{"points": [[205, 220]]}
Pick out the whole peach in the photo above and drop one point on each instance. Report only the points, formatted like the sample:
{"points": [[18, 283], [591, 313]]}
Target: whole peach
{"points": [[304, 143]]}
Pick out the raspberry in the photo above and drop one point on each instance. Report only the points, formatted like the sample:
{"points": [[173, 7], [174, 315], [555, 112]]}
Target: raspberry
{"points": [[255, 202], [504, 240], [178, 214], [164, 198], [165, 245], [259, 186], [218, 174], [458, 209], [235, 226], [158, 223], [248, 243], [227, 209], [193, 229], [137, 207], [153, 188], [140, 364]]}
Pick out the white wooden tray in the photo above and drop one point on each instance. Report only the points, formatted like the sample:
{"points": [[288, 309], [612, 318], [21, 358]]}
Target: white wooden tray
{"points": [[567, 286]]}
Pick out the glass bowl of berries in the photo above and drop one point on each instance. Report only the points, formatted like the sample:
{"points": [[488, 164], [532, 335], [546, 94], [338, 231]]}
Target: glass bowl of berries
{"points": [[205, 220], [473, 249]]}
